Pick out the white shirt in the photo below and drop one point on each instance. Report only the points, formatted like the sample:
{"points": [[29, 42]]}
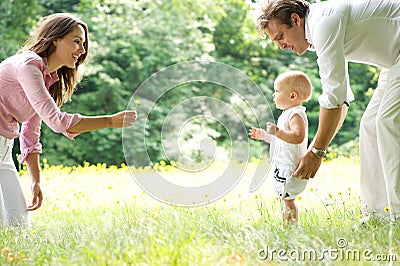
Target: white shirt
{"points": [[364, 31], [286, 156]]}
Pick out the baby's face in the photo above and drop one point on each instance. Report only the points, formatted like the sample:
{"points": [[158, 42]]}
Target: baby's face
{"points": [[281, 95]]}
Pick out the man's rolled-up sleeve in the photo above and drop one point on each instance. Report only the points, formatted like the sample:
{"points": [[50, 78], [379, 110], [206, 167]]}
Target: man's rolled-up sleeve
{"points": [[329, 44]]}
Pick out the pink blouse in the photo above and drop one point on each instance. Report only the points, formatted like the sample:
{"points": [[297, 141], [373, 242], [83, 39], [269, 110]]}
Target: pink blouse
{"points": [[24, 97]]}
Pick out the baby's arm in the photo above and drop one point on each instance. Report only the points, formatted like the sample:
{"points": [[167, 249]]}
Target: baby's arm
{"points": [[295, 134], [260, 134]]}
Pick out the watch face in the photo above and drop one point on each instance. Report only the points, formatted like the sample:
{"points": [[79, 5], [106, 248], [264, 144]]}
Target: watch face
{"points": [[319, 153]]}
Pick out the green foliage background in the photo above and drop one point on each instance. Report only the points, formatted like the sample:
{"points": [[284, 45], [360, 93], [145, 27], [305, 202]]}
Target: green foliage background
{"points": [[131, 40]]}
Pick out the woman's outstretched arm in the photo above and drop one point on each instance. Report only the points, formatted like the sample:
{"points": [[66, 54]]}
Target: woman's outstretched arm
{"points": [[117, 120]]}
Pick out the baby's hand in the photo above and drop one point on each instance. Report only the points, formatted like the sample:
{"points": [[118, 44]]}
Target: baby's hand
{"points": [[272, 128], [256, 133]]}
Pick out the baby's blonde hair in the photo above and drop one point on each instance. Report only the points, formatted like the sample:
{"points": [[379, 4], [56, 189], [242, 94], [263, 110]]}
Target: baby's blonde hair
{"points": [[297, 81]]}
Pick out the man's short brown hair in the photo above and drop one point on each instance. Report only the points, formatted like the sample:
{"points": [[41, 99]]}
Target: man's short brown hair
{"points": [[280, 10]]}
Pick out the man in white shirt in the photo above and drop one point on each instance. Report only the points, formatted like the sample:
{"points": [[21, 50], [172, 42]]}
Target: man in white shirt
{"points": [[364, 31]]}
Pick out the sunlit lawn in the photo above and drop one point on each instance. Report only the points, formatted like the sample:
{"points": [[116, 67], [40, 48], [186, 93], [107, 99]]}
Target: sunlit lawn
{"points": [[97, 215]]}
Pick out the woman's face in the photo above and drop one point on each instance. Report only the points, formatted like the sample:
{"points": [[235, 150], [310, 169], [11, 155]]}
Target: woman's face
{"points": [[70, 48]]}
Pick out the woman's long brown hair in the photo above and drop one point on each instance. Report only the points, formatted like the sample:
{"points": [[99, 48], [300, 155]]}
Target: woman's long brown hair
{"points": [[51, 28]]}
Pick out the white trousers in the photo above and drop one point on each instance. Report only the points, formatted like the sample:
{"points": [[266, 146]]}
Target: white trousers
{"points": [[12, 201], [380, 148]]}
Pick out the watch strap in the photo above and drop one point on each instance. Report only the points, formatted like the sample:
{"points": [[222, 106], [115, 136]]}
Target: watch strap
{"points": [[319, 153]]}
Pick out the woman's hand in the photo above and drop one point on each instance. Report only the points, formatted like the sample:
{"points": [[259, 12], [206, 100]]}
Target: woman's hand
{"points": [[117, 120], [123, 119], [32, 162], [37, 197]]}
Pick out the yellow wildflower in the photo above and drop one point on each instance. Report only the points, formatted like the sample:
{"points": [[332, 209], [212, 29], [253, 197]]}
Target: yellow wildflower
{"points": [[237, 259], [10, 257], [5, 250]]}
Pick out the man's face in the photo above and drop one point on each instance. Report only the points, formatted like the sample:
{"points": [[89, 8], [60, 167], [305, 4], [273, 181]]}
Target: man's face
{"points": [[289, 38]]}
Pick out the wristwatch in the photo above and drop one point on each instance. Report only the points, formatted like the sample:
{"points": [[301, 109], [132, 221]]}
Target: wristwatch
{"points": [[319, 153]]}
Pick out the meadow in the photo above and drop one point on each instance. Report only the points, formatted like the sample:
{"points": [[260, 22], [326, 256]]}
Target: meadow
{"points": [[97, 215]]}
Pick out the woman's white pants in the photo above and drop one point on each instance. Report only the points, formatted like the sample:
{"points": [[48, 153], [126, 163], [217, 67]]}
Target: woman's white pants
{"points": [[12, 201]]}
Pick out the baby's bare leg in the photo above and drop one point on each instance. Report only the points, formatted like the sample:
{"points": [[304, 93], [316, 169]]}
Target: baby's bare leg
{"points": [[290, 215]]}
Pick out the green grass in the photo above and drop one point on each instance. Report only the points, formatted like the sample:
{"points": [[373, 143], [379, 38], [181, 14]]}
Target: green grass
{"points": [[94, 215]]}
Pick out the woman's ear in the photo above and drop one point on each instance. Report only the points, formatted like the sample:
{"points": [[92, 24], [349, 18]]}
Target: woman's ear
{"points": [[55, 43]]}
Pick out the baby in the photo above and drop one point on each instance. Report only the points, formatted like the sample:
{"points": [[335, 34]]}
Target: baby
{"points": [[288, 138]]}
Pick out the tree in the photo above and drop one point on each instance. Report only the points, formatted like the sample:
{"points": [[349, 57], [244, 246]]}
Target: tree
{"points": [[132, 40]]}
